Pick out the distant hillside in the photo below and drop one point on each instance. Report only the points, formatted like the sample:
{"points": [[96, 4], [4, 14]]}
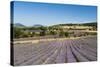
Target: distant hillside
{"points": [[90, 24], [18, 25], [84, 24], [69, 24]]}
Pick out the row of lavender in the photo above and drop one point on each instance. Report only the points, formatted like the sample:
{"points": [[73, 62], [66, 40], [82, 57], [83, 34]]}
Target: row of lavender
{"points": [[66, 51]]}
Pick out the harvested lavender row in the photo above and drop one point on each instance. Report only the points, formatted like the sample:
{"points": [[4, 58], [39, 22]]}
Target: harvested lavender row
{"points": [[85, 54], [58, 51]]}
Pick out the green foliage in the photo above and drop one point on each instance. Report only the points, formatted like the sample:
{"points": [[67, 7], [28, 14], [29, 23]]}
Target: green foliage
{"points": [[61, 33], [43, 33], [93, 24], [20, 32], [66, 34], [17, 32], [93, 33], [25, 34], [32, 34], [53, 33]]}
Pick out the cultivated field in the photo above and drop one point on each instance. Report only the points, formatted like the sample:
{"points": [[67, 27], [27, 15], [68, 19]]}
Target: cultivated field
{"points": [[56, 51]]}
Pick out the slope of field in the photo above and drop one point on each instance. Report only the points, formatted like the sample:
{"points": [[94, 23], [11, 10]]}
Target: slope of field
{"points": [[52, 52]]}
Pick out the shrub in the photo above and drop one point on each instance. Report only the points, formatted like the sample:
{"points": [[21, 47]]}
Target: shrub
{"points": [[66, 34]]}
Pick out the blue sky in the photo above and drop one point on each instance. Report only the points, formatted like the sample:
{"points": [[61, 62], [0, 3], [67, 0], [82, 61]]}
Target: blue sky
{"points": [[30, 13]]}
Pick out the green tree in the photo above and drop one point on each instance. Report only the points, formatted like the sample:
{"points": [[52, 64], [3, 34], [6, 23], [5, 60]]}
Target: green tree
{"points": [[17, 32], [43, 29], [66, 34], [53, 33]]}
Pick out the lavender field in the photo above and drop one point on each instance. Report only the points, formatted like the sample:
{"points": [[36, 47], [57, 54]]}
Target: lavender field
{"points": [[82, 49]]}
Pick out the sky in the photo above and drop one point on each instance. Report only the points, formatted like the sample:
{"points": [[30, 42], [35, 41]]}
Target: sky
{"points": [[31, 13]]}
